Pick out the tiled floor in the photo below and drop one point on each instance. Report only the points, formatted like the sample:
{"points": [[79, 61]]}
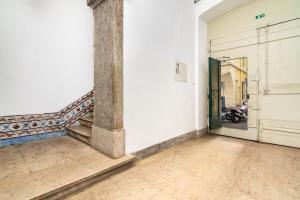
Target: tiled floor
{"points": [[34, 156], [38, 168], [208, 168]]}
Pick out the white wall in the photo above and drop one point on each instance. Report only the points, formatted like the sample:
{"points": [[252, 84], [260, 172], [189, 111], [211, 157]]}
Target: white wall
{"points": [[156, 35], [201, 62], [201, 74], [46, 54]]}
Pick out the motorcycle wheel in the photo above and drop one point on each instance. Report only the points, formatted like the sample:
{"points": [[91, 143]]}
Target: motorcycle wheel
{"points": [[236, 119], [228, 117]]}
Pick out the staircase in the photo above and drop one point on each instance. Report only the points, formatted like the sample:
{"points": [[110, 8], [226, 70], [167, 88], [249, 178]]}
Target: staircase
{"points": [[83, 131], [74, 166]]}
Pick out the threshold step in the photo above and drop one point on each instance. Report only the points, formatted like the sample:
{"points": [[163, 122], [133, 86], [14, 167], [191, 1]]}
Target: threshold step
{"points": [[60, 180], [53, 168], [81, 133]]}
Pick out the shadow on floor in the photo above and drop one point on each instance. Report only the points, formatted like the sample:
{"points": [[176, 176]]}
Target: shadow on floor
{"points": [[243, 125]]}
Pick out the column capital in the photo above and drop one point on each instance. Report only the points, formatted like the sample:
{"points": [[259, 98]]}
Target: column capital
{"points": [[94, 3]]}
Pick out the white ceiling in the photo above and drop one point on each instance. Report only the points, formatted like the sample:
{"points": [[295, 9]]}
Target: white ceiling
{"points": [[221, 8]]}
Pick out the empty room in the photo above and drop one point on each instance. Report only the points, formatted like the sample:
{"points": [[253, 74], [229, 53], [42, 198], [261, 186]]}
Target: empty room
{"points": [[149, 99]]}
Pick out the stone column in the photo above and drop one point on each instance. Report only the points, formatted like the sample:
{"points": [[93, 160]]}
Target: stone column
{"points": [[108, 135]]}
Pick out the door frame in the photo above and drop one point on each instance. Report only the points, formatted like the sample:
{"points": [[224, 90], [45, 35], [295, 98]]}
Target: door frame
{"points": [[251, 134]]}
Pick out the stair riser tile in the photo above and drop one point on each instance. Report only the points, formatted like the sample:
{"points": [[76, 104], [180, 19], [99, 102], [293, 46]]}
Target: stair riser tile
{"points": [[85, 123], [79, 137]]}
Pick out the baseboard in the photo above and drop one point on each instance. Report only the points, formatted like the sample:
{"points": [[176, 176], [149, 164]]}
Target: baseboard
{"points": [[169, 143]]}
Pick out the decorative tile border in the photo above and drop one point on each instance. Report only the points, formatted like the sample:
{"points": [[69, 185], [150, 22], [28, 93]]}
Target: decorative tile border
{"points": [[29, 138], [24, 125]]}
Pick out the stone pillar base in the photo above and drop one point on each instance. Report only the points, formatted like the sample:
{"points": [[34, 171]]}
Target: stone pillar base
{"points": [[109, 142]]}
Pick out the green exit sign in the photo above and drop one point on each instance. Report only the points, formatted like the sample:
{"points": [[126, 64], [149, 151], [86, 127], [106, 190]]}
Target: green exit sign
{"points": [[260, 16]]}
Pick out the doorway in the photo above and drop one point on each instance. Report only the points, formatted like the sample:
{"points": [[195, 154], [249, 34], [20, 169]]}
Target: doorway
{"points": [[272, 83], [234, 101], [229, 98], [271, 45]]}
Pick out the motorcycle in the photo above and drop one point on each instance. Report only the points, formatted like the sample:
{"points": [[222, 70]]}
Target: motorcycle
{"points": [[237, 115]]}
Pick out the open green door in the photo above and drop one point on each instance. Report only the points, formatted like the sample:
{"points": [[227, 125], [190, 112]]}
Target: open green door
{"points": [[215, 120]]}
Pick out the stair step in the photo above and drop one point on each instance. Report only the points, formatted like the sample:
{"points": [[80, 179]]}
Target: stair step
{"points": [[65, 178], [81, 133], [87, 121]]}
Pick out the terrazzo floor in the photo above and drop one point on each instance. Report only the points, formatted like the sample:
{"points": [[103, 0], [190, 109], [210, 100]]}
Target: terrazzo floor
{"points": [[209, 168]]}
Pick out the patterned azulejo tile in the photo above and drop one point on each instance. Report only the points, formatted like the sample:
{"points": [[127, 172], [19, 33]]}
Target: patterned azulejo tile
{"points": [[24, 125]]}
